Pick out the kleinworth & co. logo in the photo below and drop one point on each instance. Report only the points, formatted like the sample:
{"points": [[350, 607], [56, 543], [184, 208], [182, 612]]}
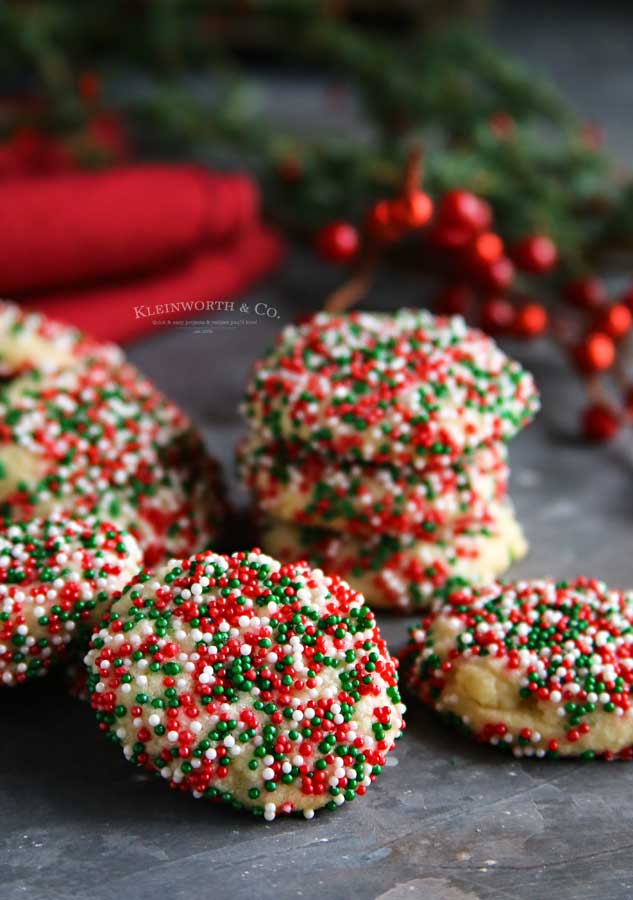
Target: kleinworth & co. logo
{"points": [[188, 314]]}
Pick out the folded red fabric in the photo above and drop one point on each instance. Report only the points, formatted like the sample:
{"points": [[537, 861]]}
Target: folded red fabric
{"points": [[126, 310], [77, 228]]}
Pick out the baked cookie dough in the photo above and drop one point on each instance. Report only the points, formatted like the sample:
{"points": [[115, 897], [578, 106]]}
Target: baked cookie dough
{"points": [[30, 340], [537, 667], [98, 439], [363, 499], [403, 573], [240, 679], [57, 577], [401, 389]]}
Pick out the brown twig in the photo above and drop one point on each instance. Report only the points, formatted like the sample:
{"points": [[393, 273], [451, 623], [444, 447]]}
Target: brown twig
{"points": [[414, 169], [354, 289], [596, 391], [620, 369]]}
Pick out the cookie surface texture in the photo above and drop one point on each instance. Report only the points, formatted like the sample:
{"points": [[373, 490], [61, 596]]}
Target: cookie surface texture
{"points": [[240, 679], [540, 668], [57, 577], [403, 573], [403, 389]]}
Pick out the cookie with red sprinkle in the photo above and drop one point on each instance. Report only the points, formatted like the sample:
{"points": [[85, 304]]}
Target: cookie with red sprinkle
{"points": [[58, 576], [364, 499], [242, 680], [33, 341], [99, 439], [541, 668], [399, 389], [400, 572]]}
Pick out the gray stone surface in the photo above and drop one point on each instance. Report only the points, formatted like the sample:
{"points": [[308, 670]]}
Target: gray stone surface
{"points": [[447, 820]]}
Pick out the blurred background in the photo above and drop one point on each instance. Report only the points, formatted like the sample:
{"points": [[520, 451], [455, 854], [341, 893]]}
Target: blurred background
{"points": [[165, 152]]}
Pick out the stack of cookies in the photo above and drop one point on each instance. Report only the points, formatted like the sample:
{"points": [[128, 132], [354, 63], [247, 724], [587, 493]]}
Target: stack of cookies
{"points": [[377, 450]]}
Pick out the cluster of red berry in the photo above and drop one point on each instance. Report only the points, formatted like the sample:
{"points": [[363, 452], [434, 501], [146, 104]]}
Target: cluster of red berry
{"points": [[604, 324], [461, 240], [31, 148], [490, 284]]}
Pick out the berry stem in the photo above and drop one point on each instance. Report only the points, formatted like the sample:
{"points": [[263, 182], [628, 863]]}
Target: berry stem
{"points": [[355, 288], [596, 392], [414, 169]]}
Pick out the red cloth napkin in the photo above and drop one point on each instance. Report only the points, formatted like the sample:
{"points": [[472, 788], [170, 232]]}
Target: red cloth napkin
{"points": [[100, 249], [125, 310], [69, 229]]}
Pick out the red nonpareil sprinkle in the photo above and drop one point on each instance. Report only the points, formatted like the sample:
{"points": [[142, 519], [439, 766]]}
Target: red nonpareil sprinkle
{"points": [[397, 389], [33, 341], [565, 648], [376, 447], [99, 439], [58, 577], [281, 698], [364, 500]]}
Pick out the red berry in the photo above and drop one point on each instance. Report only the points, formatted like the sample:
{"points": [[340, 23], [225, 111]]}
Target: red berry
{"points": [[615, 321], [455, 300], [535, 253], [592, 136], [497, 315], [502, 125], [107, 133], [89, 86], [495, 276], [596, 353], [337, 242], [586, 293], [600, 422], [463, 208], [531, 320], [28, 151], [380, 222], [413, 211], [487, 247], [27, 143], [450, 237]]}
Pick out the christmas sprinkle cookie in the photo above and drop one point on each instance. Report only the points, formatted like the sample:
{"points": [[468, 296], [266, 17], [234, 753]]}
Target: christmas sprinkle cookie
{"points": [[400, 389], [100, 440], [240, 679], [57, 577], [364, 499], [29, 340], [539, 668], [401, 573]]}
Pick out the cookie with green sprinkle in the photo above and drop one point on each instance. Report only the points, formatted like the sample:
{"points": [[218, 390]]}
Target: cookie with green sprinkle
{"points": [[540, 668], [33, 341], [401, 572], [57, 578], [363, 498], [98, 439], [242, 680], [401, 389]]}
